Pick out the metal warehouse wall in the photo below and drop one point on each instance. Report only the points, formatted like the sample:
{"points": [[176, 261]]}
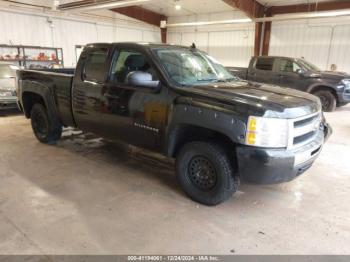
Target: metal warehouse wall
{"points": [[231, 48], [232, 45], [323, 42], [34, 29]]}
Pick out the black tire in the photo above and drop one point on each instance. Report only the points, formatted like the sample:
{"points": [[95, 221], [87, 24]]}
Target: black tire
{"points": [[46, 130], [205, 172], [328, 100]]}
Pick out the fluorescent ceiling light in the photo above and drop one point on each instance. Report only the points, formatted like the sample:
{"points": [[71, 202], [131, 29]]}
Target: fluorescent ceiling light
{"points": [[178, 7], [105, 5], [220, 22]]}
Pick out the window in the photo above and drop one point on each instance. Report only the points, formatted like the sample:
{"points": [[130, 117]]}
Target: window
{"points": [[189, 67], [265, 64], [308, 66], [289, 66], [127, 62], [96, 65]]}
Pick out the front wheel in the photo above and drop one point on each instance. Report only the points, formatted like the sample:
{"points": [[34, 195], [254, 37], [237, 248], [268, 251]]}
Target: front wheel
{"points": [[205, 172], [328, 100], [46, 130]]}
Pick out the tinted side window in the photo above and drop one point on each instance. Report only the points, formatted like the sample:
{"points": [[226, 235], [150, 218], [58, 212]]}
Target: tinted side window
{"points": [[265, 64], [96, 65], [289, 66], [127, 62]]}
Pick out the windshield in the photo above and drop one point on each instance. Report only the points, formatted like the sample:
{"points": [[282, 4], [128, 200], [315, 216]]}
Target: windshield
{"points": [[308, 65], [191, 67], [7, 71]]}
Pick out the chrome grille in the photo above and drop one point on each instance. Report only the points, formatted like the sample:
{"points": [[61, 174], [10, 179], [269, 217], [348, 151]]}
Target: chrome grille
{"points": [[303, 130]]}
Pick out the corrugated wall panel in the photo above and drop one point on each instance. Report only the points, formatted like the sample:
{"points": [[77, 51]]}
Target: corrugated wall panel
{"points": [[301, 40], [126, 35], [152, 37], [24, 29], [105, 33], [340, 49], [323, 44], [232, 48], [66, 36], [174, 38], [27, 29]]}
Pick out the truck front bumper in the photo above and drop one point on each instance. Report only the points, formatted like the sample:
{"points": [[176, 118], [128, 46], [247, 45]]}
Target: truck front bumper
{"points": [[8, 103], [344, 97], [271, 166]]}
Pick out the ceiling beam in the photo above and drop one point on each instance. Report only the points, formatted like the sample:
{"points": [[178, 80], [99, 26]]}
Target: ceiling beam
{"points": [[141, 14], [251, 8], [145, 16], [303, 8]]}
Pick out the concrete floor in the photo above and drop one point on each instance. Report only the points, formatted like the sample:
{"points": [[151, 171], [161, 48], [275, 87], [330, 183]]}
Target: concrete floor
{"points": [[86, 196]]}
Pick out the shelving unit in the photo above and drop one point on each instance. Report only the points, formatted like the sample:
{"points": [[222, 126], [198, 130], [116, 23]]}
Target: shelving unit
{"points": [[31, 56]]}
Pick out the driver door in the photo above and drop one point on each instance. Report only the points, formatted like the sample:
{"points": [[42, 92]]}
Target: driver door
{"points": [[136, 115], [289, 74]]}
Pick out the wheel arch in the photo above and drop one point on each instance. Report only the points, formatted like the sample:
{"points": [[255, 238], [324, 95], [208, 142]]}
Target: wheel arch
{"points": [[34, 92], [186, 133], [316, 88], [192, 123]]}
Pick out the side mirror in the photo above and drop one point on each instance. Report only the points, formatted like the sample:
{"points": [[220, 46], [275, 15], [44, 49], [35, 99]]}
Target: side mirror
{"points": [[142, 79], [301, 72]]}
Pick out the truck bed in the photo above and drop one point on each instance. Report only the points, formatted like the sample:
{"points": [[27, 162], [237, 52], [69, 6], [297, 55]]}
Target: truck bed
{"points": [[59, 85], [66, 71]]}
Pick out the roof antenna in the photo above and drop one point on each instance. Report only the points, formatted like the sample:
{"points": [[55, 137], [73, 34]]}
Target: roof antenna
{"points": [[193, 46]]}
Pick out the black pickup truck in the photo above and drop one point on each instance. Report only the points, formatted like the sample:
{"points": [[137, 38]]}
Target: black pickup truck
{"points": [[333, 88], [182, 103]]}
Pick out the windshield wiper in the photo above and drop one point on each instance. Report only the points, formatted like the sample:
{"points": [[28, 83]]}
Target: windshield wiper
{"points": [[224, 80], [206, 80]]}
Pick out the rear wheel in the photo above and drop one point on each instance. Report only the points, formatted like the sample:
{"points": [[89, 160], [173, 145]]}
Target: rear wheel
{"points": [[205, 172], [328, 100], [46, 130]]}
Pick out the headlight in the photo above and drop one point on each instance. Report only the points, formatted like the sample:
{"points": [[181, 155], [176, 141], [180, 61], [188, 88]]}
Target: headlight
{"points": [[6, 93], [267, 132]]}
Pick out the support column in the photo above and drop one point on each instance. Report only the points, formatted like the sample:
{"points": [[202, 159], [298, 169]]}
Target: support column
{"points": [[267, 36], [257, 42], [164, 32]]}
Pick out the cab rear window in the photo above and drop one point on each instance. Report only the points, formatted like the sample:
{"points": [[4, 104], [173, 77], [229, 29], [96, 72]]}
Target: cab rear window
{"points": [[96, 65], [265, 64]]}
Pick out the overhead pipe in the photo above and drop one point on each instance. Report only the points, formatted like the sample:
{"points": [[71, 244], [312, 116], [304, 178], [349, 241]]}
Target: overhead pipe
{"points": [[88, 5], [311, 15]]}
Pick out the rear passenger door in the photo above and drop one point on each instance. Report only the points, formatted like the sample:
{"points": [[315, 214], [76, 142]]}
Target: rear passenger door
{"points": [[89, 84], [264, 71]]}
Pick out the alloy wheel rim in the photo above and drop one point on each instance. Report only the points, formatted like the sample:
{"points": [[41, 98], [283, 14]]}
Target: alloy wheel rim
{"points": [[202, 173], [325, 102]]}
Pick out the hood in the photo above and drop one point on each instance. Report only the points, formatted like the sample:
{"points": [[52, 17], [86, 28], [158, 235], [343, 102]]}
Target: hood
{"points": [[264, 100], [7, 84], [335, 76]]}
